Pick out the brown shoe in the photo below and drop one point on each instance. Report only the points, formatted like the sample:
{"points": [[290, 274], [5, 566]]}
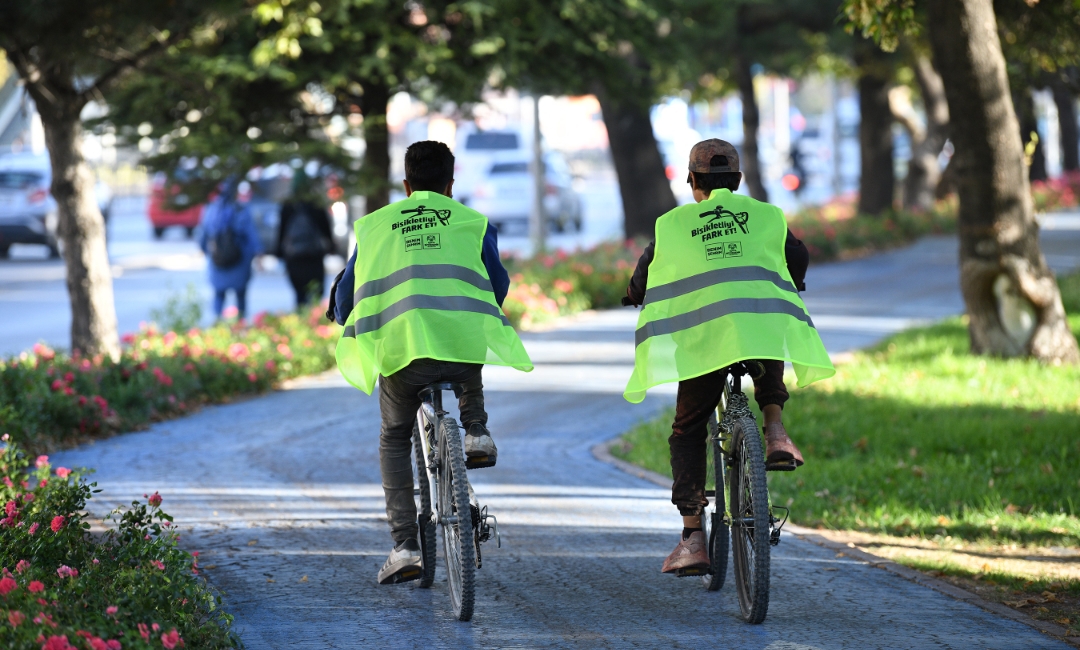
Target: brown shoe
{"points": [[689, 554], [781, 454]]}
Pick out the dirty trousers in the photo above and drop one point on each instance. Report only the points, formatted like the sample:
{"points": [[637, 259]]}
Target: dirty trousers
{"points": [[696, 400], [398, 402]]}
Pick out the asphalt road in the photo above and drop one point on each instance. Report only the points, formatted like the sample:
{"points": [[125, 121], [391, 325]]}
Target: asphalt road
{"points": [[281, 494]]}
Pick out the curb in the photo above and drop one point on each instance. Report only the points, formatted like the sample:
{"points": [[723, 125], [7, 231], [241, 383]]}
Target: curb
{"points": [[602, 453]]}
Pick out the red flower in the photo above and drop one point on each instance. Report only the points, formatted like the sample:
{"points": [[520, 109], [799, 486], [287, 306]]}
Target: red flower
{"points": [[252, 377], [128, 338], [171, 639], [69, 377], [44, 352], [57, 523], [159, 564], [33, 528], [111, 610], [35, 587], [57, 385], [144, 631], [7, 585], [63, 472], [57, 643], [67, 572], [98, 644], [113, 644], [154, 499], [15, 617], [23, 565]]}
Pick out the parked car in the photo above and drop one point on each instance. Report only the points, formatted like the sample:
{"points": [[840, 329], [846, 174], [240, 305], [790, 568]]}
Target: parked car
{"points": [[505, 193], [185, 215], [27, 208]]}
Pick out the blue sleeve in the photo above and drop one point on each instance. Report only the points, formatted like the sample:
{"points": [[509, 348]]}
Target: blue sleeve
{"points": [[254, 242], [343, 294], [489, 255]]}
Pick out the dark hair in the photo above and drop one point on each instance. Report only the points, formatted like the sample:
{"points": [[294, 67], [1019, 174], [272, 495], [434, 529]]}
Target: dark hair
{"points": [[718, 180], [429, 165]]}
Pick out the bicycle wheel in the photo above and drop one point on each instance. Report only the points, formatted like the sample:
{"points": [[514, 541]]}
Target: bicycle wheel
{"points": [[423, 515], [455, 518], [712, 521], [750, 521]]}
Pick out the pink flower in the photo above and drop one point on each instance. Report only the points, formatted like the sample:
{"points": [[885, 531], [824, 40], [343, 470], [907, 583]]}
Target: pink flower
{"points": [[35, 587], [154, 499], [10, 508], [284, 351], [23, 565], [155, 627], [111, 610], [271, 366], [95, 561], [41, 461], [57, 643], [44, 352], [189, 367], [159, 564], [69, 377], [33, 528], [7, 585], [67, 572], [98, 644], [8, 482], [170, 639], [43, 482], [57, 523], [128, 338], [252, 377], [28, 497], [144, 632], [15, 617], [113, 644], [63, 472]]}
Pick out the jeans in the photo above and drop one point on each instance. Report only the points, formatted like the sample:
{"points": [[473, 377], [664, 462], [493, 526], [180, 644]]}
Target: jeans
{"points": [[241, 301], [689, 434], [398, 403]]}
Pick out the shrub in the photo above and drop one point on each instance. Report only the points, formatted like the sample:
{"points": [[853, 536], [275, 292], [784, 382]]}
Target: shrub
{"points": [[60, 587]]}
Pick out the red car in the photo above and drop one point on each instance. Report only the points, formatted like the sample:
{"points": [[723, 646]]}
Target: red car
{"points": [[162, 217]]}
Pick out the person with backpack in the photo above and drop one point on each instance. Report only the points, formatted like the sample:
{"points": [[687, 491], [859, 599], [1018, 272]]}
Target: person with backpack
{"points": [[304, 239], [230, 241]]}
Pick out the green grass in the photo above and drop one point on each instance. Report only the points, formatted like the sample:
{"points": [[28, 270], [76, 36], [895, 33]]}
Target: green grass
{"points": [[917, 436]]}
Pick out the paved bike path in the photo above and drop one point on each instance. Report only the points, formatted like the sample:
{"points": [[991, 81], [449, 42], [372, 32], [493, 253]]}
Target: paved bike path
{"points": [[281, 495]]}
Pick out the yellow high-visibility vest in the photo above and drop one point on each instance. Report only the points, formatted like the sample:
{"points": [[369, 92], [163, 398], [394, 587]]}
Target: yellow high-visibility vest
{"points": [[421, 291], [719, 292]]}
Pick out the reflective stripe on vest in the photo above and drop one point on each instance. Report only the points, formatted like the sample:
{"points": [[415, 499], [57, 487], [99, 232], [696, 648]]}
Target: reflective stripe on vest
{"points": [[422, 292], [719, 292]]}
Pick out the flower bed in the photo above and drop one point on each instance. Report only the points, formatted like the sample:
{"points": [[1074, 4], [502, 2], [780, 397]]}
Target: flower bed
{"points": [[61, 587], [49, 399], [1056, 193]]}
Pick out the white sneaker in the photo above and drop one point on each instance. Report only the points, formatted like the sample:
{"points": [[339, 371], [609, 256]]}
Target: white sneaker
{"points": [[403, 564], [480, 450]]}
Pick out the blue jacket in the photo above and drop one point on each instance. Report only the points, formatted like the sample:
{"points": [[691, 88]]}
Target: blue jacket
{"points": [[215, 218], [489, 255]]}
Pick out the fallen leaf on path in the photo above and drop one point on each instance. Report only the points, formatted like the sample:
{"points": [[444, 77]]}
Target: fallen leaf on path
{"points": [[1051, 597], [304, 579], [270, 580], [209, 566], [1063, 621], [1017, 604], [841, 555], [253, 542], [830, 568]]}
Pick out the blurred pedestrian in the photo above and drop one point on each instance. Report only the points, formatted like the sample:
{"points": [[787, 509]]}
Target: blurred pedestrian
{"points": [[304, 239], [231, 242]]}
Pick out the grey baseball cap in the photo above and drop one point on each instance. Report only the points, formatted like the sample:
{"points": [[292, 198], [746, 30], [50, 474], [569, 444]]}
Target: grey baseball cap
{"points": [[701, 157]]}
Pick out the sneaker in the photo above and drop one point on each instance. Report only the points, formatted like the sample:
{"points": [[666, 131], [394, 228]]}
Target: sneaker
{"points": [[689, 554], [403, 564], [781, 454], [480, 450]]}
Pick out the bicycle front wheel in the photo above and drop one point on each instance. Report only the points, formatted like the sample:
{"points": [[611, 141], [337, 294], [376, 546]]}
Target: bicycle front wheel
{"points": [[749, 520], [455, 519], [423, 515]]}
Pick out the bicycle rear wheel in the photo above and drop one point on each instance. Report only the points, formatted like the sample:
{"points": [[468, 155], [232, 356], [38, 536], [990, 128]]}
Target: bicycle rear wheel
{"points": [[423, 515], [455, 519], [750, 520], [712, 520]]}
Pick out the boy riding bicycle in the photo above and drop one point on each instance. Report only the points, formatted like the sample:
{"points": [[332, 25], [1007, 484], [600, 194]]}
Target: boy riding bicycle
{"points": [[420, 301], [719, 285]]}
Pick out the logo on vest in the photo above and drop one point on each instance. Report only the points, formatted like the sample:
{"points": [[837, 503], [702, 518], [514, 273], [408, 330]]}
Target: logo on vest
{"points": [[723, 250], [721, 223], [423, 218]]}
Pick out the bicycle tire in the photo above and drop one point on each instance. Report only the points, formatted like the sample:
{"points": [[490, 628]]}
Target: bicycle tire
{"points": [[428, 543], [458, 549], [750, 521], [717, 533]]}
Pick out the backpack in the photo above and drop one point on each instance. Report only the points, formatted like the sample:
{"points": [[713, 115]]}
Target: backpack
{"points": [[302, 239], [224, 245]]}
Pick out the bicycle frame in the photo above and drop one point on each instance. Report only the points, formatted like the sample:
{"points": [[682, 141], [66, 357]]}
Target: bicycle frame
{"points": [[427, 422]]}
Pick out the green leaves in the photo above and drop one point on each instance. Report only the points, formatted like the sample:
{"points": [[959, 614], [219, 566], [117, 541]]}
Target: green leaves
{"points": [[884, 21]]}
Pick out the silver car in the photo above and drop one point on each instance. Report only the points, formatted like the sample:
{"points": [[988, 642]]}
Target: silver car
{"points": [[27, 208], [505, 192]]}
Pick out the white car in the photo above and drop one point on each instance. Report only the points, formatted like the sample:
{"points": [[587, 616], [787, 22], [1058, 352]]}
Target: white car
{"points": [[504, 192], [27, 208]]}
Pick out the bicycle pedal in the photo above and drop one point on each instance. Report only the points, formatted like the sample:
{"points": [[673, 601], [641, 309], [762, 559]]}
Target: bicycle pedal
{"points": [[406, 575], [692, 571], [479, 462], [782, 466]]}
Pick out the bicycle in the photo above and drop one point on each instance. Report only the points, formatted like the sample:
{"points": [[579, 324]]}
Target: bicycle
{"points": [[445, 495], [742, 508]]}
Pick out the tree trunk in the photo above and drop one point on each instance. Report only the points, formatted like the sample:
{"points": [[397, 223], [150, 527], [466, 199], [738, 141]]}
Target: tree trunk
{"points": [[923, 170], [748, 157], [375, 169], [1070, 139], [876, 180], [643, 184], [1029, 136], [1012, 299], [80, 224]]}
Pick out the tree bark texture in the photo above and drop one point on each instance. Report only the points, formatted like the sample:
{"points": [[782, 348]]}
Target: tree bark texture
{"points": [[643, 184], [751, 120], [1012, 299], [877, 183], [375, 168], [923, 170], [1070, 138], [80, 225], [1029, 135]]}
